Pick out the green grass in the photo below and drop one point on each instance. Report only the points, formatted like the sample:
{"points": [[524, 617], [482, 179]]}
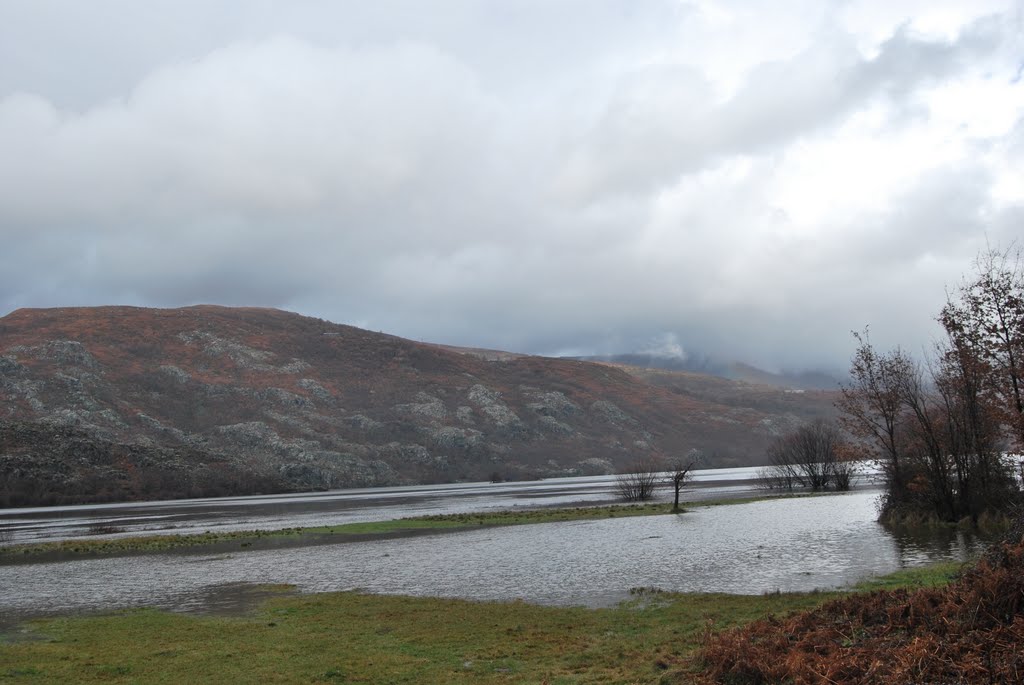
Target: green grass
{"points": [[358, 638], [394, 527], [933, 575], [159, 543]]}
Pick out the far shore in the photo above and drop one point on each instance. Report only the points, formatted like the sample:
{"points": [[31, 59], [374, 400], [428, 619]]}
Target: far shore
{"points": [[112, 545]]}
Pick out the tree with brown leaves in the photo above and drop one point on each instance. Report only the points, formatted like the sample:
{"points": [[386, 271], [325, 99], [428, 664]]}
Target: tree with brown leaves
{"points": [[940, 431], [988, 317]]}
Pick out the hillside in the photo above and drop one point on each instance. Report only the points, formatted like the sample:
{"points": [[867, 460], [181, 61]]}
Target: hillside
{"points": [[736, 371], [209, 400]]}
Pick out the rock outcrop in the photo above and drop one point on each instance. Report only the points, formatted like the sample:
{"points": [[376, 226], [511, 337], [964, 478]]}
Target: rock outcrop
{"points": [[207, 400]]}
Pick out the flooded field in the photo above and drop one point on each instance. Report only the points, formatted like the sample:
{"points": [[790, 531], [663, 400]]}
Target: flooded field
{"points": [[785, 544]]}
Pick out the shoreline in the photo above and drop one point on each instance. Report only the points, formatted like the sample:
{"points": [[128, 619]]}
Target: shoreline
{"points": [[354, 635], [346, 533]]}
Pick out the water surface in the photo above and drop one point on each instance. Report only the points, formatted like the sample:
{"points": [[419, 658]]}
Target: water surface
{"points": [[270, 512], [784, 544]]}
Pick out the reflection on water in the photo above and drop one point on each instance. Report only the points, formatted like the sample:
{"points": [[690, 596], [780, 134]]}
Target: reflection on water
{"points": [[269, 512], [788, 545], [916, 547]]}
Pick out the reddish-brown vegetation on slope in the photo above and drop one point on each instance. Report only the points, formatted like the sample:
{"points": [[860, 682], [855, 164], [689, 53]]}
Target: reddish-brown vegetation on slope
{"points": [[743, 398], [971, 631], [323, 405]]}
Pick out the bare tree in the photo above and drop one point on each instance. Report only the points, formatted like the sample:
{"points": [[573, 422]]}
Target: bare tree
{"points": [[848, 465], [872, 406], [813, 456], [679, 473], [639, 482], [776, 477]]}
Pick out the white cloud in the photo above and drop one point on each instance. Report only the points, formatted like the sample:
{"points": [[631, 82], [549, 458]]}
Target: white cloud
{"points": [[755, 179]]}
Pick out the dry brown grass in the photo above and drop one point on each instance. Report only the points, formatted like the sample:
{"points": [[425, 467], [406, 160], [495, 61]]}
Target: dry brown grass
{"points": [[971, 631]]}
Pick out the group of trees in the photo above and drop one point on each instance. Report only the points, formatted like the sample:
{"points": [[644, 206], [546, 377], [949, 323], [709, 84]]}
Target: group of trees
{"points": [[815, 456], [644, 478], [947, 432], [943, 430]]}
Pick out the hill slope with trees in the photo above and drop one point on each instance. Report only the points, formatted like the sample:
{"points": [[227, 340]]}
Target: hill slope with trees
{"points": [[212, 400]]}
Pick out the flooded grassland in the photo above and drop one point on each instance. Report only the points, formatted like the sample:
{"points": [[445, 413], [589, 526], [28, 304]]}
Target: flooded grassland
{"points": [[789, 545]]}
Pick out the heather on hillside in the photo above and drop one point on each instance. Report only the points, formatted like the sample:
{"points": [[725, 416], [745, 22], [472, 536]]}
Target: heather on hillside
{"points": [[206, 400]]}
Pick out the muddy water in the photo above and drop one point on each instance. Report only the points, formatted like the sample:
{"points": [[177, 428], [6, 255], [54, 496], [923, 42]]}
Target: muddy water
{"points": [[791, 544]]}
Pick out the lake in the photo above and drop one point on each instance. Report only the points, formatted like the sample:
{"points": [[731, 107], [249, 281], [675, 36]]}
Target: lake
{"points": [[273, 512], [781, 544]]}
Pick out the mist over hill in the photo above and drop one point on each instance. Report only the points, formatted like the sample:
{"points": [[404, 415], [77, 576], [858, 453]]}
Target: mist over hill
{"points": [[815, 379], [111, 403]]}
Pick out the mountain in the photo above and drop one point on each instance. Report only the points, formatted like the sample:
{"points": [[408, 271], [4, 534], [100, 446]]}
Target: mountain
{"points": [[112, 403], [738, 371]]}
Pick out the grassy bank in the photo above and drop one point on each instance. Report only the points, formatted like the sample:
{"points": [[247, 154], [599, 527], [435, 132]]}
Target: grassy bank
{"points": [[351, 637], [343, 532]]}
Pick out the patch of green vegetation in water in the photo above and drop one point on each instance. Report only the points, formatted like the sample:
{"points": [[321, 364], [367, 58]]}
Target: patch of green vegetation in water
{"points": [[411, 525]]}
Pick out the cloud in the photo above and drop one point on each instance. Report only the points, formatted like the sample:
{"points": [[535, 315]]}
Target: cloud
{"points": [[664, 121], [665, 346], [536, 177]]}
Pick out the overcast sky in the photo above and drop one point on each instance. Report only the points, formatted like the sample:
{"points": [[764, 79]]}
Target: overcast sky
{"points": [[746, 179]]}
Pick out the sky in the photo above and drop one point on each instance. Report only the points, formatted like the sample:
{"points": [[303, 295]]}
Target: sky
{"points": [[747, 180]]}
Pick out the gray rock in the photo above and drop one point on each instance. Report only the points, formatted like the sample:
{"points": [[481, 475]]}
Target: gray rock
{"points": [[175, 433], [285, 398], [242, 355], [492, 407], [179, 375], [10, 368], [554, 404], [426, 405], [611, 412], [251, 434], [363, 423], [482, 396], [64, 352], [318, 391], [552, 425], [457, 439]]}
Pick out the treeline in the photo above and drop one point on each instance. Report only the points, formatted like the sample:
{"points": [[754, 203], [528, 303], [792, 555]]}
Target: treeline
{"points": [[44, 465], [146, 483], [948, 431]]}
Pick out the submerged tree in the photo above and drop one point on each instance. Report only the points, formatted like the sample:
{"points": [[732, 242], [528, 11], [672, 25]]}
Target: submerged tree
{"points": [[813, 456], [680, 472]]}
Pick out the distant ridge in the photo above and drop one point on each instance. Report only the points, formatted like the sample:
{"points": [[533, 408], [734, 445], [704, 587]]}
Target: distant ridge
{"points": [[739, 371]]}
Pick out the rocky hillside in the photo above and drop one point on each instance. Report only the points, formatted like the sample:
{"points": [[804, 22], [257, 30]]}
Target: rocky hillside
{"points": [[122, 402]]}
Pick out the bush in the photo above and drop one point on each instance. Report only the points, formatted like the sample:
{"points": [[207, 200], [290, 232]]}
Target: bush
{"points": [[967, 632], [639, 482]]}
